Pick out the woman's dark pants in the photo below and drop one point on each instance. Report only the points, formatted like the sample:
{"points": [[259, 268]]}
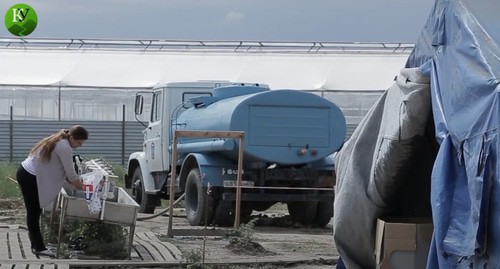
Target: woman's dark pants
{"points": [[29, 189]]}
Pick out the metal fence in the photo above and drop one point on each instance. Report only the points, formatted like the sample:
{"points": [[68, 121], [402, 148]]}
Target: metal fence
{"points": [[112, 140], [116, 140]]}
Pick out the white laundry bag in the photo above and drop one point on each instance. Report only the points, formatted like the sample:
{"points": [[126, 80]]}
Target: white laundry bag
{"points": [[93, 187]]}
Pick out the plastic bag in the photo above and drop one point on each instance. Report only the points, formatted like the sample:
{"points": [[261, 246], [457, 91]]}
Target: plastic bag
{"points": [[93, 184]]}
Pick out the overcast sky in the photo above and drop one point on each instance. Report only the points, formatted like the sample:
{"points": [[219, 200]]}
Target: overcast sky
{"points": [[260, 20]]}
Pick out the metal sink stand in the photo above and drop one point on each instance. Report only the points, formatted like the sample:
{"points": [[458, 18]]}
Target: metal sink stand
{"points": [[123, 211]]}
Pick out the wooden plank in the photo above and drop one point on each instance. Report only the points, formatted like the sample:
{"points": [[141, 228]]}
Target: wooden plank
{"points": [[35, 266], [134, 255], [4, 248], [42, 265], [157, 244], [27, 264], [15, 248], [174, 250], [62, 266], [21, 266], [26, 245], [170, 251], [143, 252], [155, 254]]}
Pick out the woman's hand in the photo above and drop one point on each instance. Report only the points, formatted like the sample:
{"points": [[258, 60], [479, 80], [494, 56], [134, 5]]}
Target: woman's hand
{"points": [[78, 184]]}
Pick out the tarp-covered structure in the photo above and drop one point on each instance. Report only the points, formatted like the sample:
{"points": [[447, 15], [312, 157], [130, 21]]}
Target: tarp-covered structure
{"points": [[458, 52]]}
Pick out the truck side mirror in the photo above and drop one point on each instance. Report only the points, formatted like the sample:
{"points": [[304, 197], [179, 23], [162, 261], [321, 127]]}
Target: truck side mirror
{"points": [[139, 103]]}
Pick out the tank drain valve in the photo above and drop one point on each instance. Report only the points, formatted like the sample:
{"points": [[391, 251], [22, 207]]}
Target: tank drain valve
{"points": [[302, 151]]}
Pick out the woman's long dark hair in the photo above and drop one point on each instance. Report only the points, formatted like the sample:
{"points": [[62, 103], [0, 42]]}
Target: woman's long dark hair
{"points": [[45, 146]]}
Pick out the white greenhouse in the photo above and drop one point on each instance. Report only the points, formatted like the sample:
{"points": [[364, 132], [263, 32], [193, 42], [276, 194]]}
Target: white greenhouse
{"points": [[75, 79]]}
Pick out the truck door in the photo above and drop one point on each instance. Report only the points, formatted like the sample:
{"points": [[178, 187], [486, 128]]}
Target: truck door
{"points": [[153, 136]]}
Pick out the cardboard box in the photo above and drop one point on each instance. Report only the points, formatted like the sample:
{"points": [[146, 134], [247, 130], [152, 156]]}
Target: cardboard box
{"points": [[402, 243]]}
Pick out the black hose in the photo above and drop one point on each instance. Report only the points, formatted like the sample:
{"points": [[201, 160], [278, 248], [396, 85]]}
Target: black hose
{"points": [[163, 211]]}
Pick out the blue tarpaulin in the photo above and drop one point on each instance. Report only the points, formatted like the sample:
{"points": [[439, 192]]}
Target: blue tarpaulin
{"points": [[459, 49]]}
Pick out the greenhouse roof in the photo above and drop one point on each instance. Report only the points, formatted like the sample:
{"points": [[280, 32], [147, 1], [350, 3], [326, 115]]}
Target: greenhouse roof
{"points": [[100, 63]]}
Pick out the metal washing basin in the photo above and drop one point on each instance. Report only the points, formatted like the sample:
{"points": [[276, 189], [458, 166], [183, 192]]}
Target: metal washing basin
{"points": [[120, 209]]}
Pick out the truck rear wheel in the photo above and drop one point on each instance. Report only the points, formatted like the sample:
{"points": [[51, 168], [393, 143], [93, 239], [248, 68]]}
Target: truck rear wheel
{"points": [[324, 213], [146, 204], [199, 205], [225, 213], [303, 212]]}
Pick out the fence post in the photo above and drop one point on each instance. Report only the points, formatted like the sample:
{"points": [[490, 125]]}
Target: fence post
{"points": [[11, 135], [123, 135], [59, 104]]}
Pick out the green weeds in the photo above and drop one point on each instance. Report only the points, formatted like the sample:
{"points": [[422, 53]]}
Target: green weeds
{"points": [[10, 188]]}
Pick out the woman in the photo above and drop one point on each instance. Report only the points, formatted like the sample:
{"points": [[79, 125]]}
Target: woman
{"points": [[42, 175]]}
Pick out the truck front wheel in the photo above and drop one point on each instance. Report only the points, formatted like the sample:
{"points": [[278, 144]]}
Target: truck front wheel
{"points": [[199, 205], [146, 205]]}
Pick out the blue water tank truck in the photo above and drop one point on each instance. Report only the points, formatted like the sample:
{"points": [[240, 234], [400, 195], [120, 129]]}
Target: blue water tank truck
{"points": [[289, 139]]}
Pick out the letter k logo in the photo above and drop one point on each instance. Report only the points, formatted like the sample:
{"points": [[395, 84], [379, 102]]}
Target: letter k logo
{"points": [[18, 15]]}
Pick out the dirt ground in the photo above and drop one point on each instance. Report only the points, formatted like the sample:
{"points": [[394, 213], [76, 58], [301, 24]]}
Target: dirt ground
{"points": [[275, 241], [12, 211]]}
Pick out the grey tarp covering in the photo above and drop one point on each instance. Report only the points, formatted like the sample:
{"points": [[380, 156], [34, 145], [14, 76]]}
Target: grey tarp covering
{"points": [[383, 169], [460, 50]]}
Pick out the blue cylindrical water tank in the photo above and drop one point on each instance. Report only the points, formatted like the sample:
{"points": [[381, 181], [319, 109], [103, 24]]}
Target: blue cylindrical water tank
{"points": [[281, 126]]}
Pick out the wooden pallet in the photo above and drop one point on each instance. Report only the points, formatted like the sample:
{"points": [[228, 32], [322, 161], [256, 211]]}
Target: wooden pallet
{"points": [[15, 252], [34, 265], [149, 247]]}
